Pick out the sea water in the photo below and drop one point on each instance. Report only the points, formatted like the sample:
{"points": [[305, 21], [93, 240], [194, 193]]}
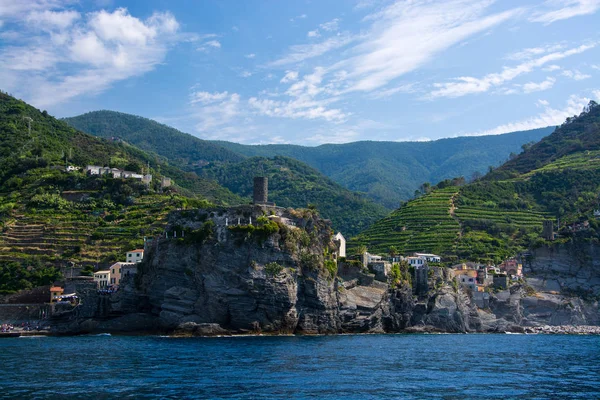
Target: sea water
{"points": [[328, 367]]}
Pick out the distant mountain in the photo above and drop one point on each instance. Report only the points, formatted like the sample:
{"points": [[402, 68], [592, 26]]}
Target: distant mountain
{"points": [[387, 172], [146, 134], [557, 179], [390, 172], [294, 184]]}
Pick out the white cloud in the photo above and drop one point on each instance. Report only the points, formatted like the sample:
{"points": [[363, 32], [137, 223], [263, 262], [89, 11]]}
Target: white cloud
{"points": [[251, 55], [214, 110], [305, 101], [207, 97], [246, 74], [575, 74], [542, 103], [551, 68], [313, 34], [468, 85], [539, 86], [549, 117], [406, 35], [93, 51], [331, 26], [557, 10], [207, 46], [531, 52], [302, 52], [596, 94], [301, 16], [50, 20], [290, 76]]}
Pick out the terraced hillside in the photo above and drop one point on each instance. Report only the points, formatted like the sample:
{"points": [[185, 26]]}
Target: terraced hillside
{"points": [[448, 222], [44, 237], [502, 214], [422, 224]]}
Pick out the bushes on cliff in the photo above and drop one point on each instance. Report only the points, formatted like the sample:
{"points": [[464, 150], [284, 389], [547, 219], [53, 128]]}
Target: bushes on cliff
{"points": [[264, 228], [204, 233], [273, 268]]}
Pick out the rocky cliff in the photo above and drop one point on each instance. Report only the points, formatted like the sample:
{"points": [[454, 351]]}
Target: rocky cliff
{"points": [[252, 269]]}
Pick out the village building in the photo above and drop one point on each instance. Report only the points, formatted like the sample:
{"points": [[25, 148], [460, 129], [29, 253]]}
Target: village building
{"points": [[55, 293], [340, 241], [416, 261], [135, 256], [467, 278], [512, 267], [429, 257], [165, 182], [116, 272], [128, 269], [102, 279]]}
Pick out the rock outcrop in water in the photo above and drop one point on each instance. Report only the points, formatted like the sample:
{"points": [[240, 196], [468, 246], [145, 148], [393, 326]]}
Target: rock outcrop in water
{"points": [[253, 269]]}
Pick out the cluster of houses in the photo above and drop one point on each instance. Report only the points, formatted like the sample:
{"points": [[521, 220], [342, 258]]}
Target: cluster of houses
{"points": [[474, 277], [111, 278], [119, 173]]}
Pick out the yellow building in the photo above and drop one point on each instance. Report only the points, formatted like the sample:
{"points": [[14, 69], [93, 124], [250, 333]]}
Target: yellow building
{"points": [[116, 272], [55, 291]]}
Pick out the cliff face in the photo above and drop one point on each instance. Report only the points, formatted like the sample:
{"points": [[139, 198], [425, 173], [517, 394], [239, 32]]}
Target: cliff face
{"points": [[255, 269], [238, 280]]}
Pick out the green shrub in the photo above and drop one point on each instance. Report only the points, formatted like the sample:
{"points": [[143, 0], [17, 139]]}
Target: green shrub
{"points": [[273, 269]]}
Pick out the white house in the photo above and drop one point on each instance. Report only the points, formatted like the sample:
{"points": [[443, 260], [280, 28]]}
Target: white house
{"points": [[135, 256], [102, 279], [341, 243], [93, 169], [71, 168], [416, 262], [429, 257]]}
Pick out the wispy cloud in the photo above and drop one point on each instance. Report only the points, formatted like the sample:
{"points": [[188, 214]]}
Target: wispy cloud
{"points": [[539, 86], [557, 10], [214, 110], [302, 52], [468, 85], [406, 35], [209, 45], [549, 117], [331, 26], [301, 16], [575, 75]]}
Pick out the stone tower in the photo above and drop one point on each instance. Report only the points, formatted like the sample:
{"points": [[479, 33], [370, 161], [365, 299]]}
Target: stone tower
{"points": [[261, 190], [548, 231]]}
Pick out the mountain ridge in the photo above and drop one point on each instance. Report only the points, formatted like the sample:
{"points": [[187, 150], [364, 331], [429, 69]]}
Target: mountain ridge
{"points": [[387, 172]]}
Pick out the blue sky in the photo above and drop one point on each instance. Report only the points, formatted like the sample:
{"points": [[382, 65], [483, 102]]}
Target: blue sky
{"points": [[307, 72]]}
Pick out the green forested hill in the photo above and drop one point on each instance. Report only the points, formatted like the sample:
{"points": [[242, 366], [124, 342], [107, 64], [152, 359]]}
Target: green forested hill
{"points": [[390, 172], [146, 134], [50, 217], [295, 184], [387, 172], [502, 213]]}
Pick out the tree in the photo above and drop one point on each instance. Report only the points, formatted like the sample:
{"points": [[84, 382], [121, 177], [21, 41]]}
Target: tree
{"points": [[393, 251]]}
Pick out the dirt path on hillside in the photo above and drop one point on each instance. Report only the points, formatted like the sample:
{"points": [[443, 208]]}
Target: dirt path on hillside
{"points": [[452, 213]]}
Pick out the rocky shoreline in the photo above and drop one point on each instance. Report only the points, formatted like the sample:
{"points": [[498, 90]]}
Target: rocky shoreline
{"points": [[564, 330]]}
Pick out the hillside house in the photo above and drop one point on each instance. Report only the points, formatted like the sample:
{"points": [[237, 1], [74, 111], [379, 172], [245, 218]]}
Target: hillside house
{"points": [[340, 241], [467, 279], [429, 257], [165, 182], [102, 279], [128, 269], [55, 293], [135, 256], [416, 262], [512, 267], [116, 272]]}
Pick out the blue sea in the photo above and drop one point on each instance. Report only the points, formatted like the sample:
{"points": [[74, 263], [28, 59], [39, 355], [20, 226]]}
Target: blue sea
{"points": [[297, 367]]}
